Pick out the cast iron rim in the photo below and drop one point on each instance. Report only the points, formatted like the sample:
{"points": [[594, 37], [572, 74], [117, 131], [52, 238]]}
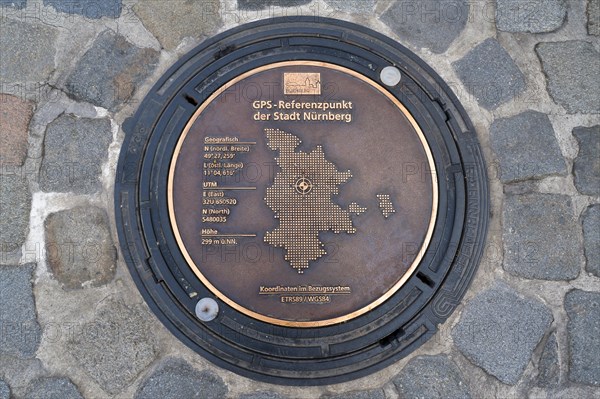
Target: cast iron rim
{"points": [[276, 354]]}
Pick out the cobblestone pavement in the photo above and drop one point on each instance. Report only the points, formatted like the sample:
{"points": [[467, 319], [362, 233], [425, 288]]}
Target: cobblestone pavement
{"points": [[72, 323]]}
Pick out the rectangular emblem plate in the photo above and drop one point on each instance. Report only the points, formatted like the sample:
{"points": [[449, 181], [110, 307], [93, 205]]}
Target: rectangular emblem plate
{"points": [[298, 83]]}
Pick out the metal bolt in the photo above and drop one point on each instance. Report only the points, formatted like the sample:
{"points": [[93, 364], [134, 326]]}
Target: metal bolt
{"points": [[390, 76], [207, 309]]}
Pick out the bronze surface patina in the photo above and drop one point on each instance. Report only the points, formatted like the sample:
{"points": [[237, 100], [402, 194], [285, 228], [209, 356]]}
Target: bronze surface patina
{"points": [[302, 194]]}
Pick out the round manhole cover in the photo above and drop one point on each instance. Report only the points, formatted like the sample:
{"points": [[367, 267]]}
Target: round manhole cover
{"points": [[301, 200]]}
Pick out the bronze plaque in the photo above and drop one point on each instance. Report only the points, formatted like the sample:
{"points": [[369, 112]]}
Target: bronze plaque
{"points": [[302, 194]]}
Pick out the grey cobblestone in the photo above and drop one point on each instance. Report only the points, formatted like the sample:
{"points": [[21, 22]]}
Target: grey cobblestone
{"points": [[262, 4], [591, 236], [176, 379], [21, 332], [490, 74], [593, 17], [431, 377], [583, 309], [18, 4], [174, 20], [27, 51], [79, 247], [528, 221], [526, 147], [499, 330], [352, 6], [572, 69], [586, 166], [53, 388], [74, 150], [535, 16], [93, 9], [549, 367], [415, 22], [109, 73], [15, 203], [116, 347], [4, 390]]}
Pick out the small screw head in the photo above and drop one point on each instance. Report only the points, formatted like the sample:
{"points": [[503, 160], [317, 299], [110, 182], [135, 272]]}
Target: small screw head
{"points": [[390, 76], [207, 309]]}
